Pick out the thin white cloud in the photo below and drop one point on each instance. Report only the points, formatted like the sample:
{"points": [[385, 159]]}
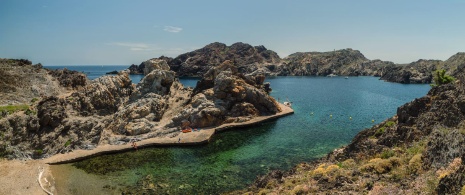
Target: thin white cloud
{"points": [[144, 47], [44, 6], [129, 44], [172, 29], [134, 46]]}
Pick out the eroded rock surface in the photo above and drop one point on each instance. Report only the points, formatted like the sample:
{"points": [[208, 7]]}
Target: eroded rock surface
{"points": [[225, 95]]}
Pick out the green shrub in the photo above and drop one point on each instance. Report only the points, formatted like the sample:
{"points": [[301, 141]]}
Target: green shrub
{"points": [[440, 78], [34, 100], [39, 152], [30, 112], [380, 131], [389, 123], [417, 148], [68, 143], [387, 154]]}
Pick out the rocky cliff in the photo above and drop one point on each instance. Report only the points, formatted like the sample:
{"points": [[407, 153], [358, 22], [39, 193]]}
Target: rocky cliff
{"points": [[418, 151], [346, 62], [246, 57], [76, 113], [341, 62]]}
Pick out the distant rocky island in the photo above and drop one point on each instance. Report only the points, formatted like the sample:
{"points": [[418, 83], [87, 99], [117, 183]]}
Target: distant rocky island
{"points": [[254, 60]]}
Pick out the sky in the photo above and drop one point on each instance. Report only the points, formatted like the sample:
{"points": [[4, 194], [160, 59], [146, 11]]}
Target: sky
{"points": [[119, 32]]}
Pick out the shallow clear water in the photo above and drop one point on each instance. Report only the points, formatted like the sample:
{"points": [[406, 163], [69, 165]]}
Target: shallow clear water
{"points": [[235, 158]]}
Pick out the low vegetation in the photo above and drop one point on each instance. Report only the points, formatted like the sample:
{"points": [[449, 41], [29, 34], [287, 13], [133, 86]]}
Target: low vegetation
{"points": [[10, 109], [440, 78]]}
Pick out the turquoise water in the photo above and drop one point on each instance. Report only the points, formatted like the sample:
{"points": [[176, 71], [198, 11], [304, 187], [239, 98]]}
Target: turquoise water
{"points": [[235, 158]]}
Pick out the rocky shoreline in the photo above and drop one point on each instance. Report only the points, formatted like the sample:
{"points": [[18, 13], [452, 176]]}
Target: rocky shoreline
{"points": [[83, 114], [202, 136], [83, 118], [256, 60], [418, 151]]}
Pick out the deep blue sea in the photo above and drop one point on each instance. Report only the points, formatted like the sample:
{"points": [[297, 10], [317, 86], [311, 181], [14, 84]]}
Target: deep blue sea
{"points": [[323, 107]]}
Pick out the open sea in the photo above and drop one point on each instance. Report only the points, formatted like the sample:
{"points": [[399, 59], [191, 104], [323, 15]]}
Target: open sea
{"points": [[235, 158]]}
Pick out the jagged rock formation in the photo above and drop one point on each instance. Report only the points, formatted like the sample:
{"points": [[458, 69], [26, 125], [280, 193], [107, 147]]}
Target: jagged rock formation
{"points": [[245, 56], [66, 121], [225, 95], [419, 151], [69, 78], [346, 62], [341, 62], [82, 114]]}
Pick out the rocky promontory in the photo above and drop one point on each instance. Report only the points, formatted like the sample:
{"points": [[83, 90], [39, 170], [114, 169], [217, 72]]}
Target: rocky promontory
{"points": [[77, 113]]}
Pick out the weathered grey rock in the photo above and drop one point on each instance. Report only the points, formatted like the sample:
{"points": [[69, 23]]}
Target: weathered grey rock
{"points": [[103, 95], [225, 95], [51, 112], [155, 64], [157, 81], [69, 78], [21, 82]]}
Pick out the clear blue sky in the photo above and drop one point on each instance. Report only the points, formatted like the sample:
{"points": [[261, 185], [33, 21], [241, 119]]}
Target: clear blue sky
{"points": [[56, 32]]}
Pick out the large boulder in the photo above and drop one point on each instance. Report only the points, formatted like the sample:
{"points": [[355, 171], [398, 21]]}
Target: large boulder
{"points": [[154, 64]]}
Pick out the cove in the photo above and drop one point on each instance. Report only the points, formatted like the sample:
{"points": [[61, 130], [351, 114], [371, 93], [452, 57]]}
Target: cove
{"points": [[321, 122]]}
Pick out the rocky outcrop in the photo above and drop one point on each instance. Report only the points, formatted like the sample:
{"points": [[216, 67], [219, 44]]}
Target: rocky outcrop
{"points": [[21, 82], [341, 62], [157, 92], [135, 69], [224, 95], [111, 109], [103, 95], [245, 56], [455, 64], [415, 72], [69, 78]]}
